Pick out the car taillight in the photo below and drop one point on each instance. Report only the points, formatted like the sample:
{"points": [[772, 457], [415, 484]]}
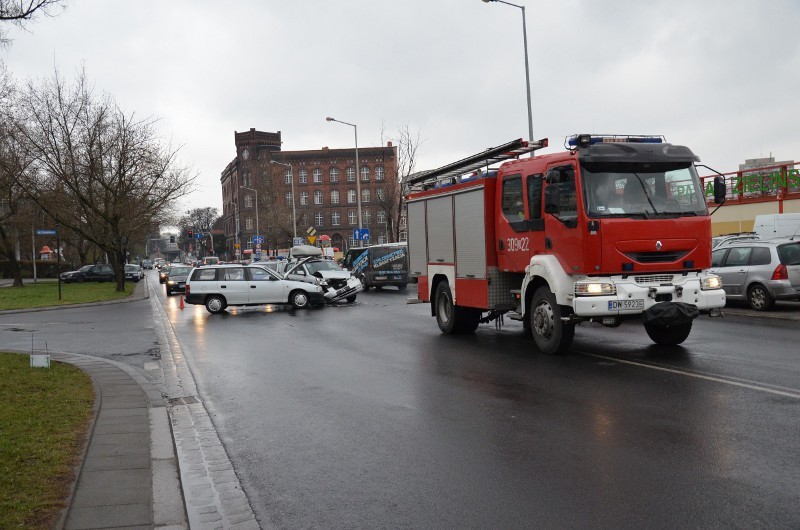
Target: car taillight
{"points": [[187, 288], [780, 273]]}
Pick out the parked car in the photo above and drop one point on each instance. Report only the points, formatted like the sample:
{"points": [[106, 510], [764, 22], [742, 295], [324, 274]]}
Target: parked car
{"points": [[379, 265], [133, 272], [306, 264], [89, 273], [759, 271], [176, 278], [732, 238], [147, 264], [210, 260], [220, 286], [162, 273]]}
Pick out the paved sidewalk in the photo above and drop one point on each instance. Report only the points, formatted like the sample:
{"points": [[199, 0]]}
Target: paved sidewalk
{"points": [[129, 474]]}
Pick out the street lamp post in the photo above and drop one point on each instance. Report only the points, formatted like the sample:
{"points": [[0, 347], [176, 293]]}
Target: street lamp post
{"points": [[294, 213], [358, 173], [527, 73]]}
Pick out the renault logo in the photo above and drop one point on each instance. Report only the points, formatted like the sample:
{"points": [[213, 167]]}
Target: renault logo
{"points": [[658, 245]]}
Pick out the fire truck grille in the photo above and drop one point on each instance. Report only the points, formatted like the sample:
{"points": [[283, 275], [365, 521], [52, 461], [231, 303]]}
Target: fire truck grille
{"points": [[655, 278], [656, 257]]}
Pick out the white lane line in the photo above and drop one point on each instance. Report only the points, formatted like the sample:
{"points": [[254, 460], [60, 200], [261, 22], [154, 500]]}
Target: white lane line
{"points": [[716, 379]]}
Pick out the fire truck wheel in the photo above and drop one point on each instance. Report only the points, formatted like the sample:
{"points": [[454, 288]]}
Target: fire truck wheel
{"points": [[445, 310], [671, 336], [551, 335], [451, 318]]}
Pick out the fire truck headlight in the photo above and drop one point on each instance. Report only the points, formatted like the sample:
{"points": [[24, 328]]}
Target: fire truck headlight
{"points": [[712, 281], [595, 289]]}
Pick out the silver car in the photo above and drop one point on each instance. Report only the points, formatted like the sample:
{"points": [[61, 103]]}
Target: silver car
{"points": [[759, 271]]}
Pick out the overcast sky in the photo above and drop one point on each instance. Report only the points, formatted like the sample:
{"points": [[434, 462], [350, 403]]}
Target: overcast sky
{"points": [[722, 77]]}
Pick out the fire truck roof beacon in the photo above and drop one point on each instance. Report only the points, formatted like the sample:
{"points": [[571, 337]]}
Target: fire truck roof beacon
{"points": [[584, 140]]}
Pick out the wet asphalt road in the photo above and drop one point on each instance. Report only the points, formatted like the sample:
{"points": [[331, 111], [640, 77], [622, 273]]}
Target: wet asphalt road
{"points": [[366, 416]]}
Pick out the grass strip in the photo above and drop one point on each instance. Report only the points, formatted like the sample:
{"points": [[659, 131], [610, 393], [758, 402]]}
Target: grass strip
{"points": [[45, 294], [44, 418]]}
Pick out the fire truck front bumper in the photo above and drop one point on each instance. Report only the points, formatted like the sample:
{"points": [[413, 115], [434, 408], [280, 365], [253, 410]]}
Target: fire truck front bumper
{"points": [[628, 296]]}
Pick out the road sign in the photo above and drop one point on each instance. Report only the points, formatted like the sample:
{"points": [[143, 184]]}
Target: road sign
{"points": [[360, 234], [236, 246], [312, 239], [297, 241], [45, 232], [258, 239], [311, 231], [198, 235], [258, 247]]}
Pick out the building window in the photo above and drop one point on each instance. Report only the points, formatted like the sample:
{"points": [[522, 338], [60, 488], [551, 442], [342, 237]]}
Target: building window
{"points": [[334, 196], [352, 217], [365, 195], [381, 217], [334, 174], [287, 176], [248, 223], [248, 201], [317, 197], [302, 176], [380, 193], [351, 196], [303, 198], [382, 240], [366, 217], [336, 219], [364, 174], [317, 174], [288, 198], [379, 173], [351, 174], [319, 219]]}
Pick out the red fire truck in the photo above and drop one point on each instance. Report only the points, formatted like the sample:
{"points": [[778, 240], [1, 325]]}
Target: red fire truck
{"points": [[614, 228]]}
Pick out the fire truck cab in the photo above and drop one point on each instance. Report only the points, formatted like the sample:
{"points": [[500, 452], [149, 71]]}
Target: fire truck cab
{"points": [[613, 228]]}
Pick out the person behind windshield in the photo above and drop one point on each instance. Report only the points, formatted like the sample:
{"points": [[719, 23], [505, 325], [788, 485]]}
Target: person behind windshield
{"points": [[604, 195]]}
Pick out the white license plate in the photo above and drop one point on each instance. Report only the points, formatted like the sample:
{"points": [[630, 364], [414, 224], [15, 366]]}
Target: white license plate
{"points": [[616, 305]]}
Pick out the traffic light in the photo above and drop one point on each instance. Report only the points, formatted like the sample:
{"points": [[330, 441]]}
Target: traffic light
{"points": [[191, 234]]}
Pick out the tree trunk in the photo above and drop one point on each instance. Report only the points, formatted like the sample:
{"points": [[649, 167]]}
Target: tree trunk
{"points": [[9, 249]]}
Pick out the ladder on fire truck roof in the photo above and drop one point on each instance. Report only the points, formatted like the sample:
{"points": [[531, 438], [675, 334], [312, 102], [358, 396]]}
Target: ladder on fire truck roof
{"points": [[448, 174]]}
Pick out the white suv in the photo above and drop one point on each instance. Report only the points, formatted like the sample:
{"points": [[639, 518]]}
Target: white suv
{"points": [[220, 286]]}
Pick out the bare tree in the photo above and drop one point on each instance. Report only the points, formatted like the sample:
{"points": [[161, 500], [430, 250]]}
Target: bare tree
{"points": [[100, 172], [20, 12], [392, 200]]}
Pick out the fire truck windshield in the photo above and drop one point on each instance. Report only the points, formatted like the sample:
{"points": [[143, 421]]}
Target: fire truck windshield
{"points": [[625, 190]]}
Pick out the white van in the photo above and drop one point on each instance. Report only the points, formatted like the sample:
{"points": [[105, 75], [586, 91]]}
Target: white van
{"points": [[774, 225]]}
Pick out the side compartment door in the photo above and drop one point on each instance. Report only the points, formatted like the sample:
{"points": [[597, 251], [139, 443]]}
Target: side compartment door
{"points": [[234, 286], [266, 287]]}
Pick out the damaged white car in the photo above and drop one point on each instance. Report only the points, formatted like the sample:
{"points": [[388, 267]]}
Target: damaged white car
{"points": [[307, 264]]}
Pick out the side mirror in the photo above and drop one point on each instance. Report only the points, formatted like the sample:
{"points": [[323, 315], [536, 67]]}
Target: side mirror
{"points": [[719, 190], [551, 199]]}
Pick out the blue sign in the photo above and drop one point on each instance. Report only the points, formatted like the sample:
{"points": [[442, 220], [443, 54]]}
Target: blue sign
{"points": [[297, 241], [45, 232], [360, 234], [198, 235], [258, 240]]}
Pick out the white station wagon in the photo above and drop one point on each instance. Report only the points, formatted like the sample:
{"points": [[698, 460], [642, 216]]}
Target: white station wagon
{"points": [[220, 286]]}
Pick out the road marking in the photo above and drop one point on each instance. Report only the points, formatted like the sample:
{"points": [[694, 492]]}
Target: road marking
{"points": [[752, 385]]}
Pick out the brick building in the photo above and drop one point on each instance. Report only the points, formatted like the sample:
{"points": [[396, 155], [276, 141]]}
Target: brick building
{"points": [[257, 193]]}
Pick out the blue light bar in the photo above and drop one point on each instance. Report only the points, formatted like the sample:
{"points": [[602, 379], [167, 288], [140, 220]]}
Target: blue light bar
{"points": [[584, 140]]}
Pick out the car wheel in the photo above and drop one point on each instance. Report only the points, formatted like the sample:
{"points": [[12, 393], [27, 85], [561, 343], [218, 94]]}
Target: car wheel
{"points": [[299, 299], [215, 304], [551, 335], [668, 336], [169, 292], [759, 298], [402, 287], [351, 299]]}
